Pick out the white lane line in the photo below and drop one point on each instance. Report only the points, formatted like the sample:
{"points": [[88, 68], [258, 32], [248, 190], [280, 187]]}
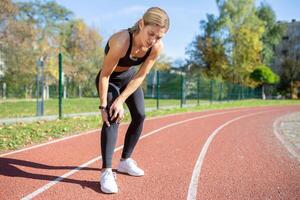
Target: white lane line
{"points": [[95, 130], [57, 180], [193, 187]]}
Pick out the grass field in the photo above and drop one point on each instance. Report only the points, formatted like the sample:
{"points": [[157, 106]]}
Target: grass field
{"points": [[23, 108], [19, 135]]}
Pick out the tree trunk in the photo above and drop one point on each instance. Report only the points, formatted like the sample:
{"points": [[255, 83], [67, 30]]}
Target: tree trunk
{"points": [[30, 91], [80, 91], [263, 92], [65, 91], [26, 92], [4, 91], [46, 92]]}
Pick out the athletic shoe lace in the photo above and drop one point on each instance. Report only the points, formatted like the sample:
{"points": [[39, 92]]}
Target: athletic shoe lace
{"points": [[132, 163], [108, 175]]}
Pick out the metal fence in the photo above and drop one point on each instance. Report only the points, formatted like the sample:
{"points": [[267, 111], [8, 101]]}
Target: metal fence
{"points": [[161, 90], [191, 89]]}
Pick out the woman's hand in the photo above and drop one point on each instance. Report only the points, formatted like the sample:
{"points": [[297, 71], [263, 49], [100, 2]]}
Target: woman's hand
{"points": [[116, 110]]}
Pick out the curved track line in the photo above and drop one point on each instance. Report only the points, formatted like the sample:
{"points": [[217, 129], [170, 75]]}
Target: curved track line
{"points": [[57, 180], [91, 131], [193, 187], [285, 143]]}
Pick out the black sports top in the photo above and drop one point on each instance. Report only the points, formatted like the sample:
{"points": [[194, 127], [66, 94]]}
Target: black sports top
{"points": [[127, 60]]}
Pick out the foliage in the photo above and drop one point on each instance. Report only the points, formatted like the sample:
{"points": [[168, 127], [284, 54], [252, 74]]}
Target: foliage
{"points": [[264, 75], [273, 32], [232, 45], [33, 30]]}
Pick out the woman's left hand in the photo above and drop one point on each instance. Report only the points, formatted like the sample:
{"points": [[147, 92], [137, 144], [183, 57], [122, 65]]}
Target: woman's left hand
{"points": [[116, 110]]}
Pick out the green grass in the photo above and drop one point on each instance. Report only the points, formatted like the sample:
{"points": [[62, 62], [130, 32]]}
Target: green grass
{"points": [[10, 109], [20, 135]]}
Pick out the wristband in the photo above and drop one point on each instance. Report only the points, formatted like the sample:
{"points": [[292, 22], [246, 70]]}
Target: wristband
{"points": [[102, 107]]}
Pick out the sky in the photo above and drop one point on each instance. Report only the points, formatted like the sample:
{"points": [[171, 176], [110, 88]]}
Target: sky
{"points": [[110, 16]]}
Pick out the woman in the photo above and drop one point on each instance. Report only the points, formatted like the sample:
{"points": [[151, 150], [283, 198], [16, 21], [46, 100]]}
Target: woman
{"points": [[118, 83]]}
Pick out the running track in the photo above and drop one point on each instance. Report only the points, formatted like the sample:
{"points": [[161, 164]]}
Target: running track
{"points": [[221, 154]]}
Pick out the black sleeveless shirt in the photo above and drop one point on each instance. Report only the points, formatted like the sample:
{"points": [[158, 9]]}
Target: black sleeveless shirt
{"points": [[127, 60]]}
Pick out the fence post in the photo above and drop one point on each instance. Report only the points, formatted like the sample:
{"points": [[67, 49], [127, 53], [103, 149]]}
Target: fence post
{"points": [[220, 91], [60, 93], [40, 87], [228, 91], [211, 91], [240, 91], [182, 85], [198, 91], [157, 89], [243, 97]]}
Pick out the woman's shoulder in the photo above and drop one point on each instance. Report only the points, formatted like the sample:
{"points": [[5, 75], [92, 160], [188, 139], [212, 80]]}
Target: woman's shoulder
{"points": [[120, 39]]}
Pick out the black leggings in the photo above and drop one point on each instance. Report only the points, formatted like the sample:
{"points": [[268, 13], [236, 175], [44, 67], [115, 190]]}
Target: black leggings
{"points": [[135, 103]]}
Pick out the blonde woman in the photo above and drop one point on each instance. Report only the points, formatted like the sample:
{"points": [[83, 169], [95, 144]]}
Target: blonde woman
{"points": [[118, 83]]}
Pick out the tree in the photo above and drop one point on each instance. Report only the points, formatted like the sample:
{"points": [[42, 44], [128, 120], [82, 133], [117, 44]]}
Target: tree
{"points": [[229, 46], [46, 18], [7, 11], [207, 53], [264, 75], [163, 63], [243, 31], [290, 74], [83, 53], [28, 31], [16, 45], [273, 32]]}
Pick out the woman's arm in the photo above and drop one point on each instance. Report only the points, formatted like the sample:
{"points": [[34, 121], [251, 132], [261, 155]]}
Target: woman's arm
{"points": [[116, 50], [117, 45], [137, 79]]}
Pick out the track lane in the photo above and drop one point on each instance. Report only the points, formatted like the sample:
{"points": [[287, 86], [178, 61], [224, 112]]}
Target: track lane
{"points": [[24, 172], [247, 161], [53, 163], [128, 192]]}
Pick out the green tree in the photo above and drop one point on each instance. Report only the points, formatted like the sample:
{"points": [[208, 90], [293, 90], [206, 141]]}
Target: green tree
{"points": [[263, 75], [273, 32], [243, 31], [207, 52], [229, 46]]}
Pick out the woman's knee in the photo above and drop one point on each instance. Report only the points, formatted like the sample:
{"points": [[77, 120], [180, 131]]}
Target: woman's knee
{"points": [[139, 116]]}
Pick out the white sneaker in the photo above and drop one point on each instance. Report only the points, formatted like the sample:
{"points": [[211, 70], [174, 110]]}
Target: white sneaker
{"points": [[130, 167], [108, 181]]}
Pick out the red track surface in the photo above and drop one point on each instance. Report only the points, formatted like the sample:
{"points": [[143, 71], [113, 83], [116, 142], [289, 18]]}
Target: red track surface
{"points": [[245, 160]]}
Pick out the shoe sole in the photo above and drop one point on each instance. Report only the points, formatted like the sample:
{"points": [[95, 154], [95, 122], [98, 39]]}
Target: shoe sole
{"points": [[107, 191], [125, 172]]}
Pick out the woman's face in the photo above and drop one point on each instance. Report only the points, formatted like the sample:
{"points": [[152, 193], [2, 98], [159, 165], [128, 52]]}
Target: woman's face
{"points": [[151, 34]]}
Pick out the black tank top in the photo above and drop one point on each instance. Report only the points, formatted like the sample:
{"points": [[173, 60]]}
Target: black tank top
{"points": [[127, 60]]}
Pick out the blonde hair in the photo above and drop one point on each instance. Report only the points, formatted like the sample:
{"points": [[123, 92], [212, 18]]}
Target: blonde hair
{"points": [[153, 16]]}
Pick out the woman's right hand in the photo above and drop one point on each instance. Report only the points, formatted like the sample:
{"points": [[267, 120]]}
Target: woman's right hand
{"points": [[104, 116]]}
